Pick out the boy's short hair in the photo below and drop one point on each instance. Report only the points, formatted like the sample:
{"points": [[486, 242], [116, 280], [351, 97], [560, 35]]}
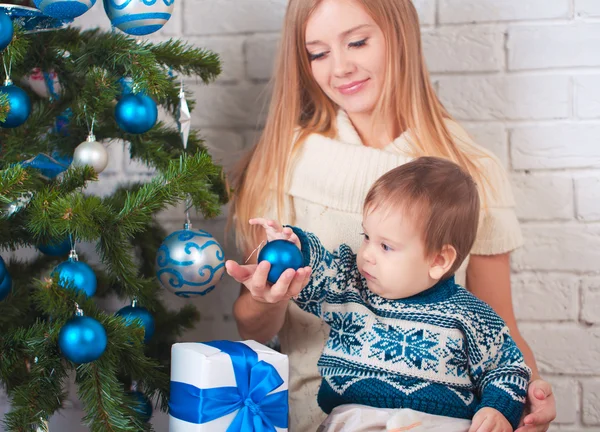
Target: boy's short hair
{"points": [[440, 197]]}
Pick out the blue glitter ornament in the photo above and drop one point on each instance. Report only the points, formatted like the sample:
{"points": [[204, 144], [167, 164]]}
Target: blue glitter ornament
{"points": [[31, 20], [56, 249], [133, 313], [138, 17], [136, 113], [6, 30], [20, 105], [3, 269], [77, 274], [142, 406], [5, 286], [190, 263], [282, 255], [64, 9], [82, 339]]}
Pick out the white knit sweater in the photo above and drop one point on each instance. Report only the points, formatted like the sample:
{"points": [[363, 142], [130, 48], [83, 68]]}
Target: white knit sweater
{"points": [[327, 185]]}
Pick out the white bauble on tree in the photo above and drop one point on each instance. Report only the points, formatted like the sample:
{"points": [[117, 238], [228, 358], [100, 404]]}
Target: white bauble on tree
{"points": [[92, 153]]}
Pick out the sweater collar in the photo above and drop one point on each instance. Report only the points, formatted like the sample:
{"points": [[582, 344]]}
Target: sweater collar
{"points": [[441, 291]]}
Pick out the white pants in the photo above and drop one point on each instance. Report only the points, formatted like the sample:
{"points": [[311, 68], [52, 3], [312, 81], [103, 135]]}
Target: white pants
{"points": [[360, 418]]}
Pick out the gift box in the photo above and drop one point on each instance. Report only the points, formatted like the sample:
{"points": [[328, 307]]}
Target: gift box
{"points": [[228, 386]]}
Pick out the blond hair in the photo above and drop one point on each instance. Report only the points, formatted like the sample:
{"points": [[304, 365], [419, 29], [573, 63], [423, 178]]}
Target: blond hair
{"points": [[298, 103], [439, 197]]}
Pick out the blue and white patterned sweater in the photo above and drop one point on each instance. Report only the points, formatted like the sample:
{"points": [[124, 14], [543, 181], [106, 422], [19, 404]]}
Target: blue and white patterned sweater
{"points": [[442, 351]]}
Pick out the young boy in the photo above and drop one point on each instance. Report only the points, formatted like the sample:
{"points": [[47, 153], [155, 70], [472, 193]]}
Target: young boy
{"points": [[403, 333]]}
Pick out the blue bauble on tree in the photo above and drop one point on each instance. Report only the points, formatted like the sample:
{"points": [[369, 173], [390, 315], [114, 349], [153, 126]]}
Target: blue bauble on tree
{"points": [[190, 263], [78, 275], [82, 339], [282, 255], [20, 105], [142, 406], [64, 9], [3, 270], [141, 314], [136, 113], [138, 17], [59, 248], [6, 31], [5, 286]]}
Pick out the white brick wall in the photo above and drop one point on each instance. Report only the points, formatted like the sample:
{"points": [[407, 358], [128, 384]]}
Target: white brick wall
{"points": [[524, 77]]}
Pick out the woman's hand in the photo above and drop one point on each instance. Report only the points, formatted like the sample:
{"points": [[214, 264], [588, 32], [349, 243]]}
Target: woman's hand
{"points": [[540, 409], [275, 231]]}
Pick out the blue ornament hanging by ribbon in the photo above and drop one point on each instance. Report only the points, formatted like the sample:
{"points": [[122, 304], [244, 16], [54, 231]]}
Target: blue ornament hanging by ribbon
{"points": [[138, 313], [136, 113], [282, 255], [77, 275], [139, 17], [82, 339], [6, 30], [190, 263], [20, 105], [142, 405], [258, 409], [5, 286], [64, 9]]}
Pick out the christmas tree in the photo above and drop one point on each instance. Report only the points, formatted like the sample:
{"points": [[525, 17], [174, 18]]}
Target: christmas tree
{"points": [[101, 86]]}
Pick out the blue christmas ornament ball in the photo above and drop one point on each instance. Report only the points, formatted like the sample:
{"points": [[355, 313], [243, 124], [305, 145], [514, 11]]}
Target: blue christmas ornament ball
{"points": [[143, 406], [136, 113], [19, 106], [82, 339], [64, 9], [5, 286], [138, 17], [3, 270], [79, 274], [282, 255], [6, 30], [190, 263], [132, 313], [56, 249]]}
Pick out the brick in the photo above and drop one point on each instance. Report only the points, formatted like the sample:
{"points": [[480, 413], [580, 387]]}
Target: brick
{"points": [[563, 348], [491, 136], [229, 106], [561, 146], [471, 11], [230, 51], [260, 53], [566, 394], [587, 96], [426, 11], [587, 195], [560, 294], [209, 17], [543, 196], [591, 402], [587, 8], [554, 247], [458, 49], [548, 46], [506, 98], [590, 299]]}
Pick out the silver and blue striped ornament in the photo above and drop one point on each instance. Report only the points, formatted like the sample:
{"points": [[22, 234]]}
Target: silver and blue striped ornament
{"points": [[64, 9], [139, 17]]}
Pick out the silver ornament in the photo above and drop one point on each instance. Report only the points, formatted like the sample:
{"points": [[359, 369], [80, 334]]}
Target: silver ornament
{"points": [[190, 263], [8, 210], [184, 119], [92, 153]]}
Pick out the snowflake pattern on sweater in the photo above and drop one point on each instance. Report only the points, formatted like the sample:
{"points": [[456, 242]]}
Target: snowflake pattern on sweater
{"points": [[442, 351]]}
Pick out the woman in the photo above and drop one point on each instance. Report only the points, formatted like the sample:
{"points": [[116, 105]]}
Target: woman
{"points": [[352, 99]]}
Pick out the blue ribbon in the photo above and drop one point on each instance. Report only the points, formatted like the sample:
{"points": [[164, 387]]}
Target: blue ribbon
{"points": [[259, 411]]}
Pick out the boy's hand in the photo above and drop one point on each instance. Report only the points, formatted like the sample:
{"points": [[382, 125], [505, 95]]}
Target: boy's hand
{"points": [[490, 420], [275, 231]]}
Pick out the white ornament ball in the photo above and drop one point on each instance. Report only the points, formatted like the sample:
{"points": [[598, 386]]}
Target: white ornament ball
{"points": [[138, 17], [92, 153]]}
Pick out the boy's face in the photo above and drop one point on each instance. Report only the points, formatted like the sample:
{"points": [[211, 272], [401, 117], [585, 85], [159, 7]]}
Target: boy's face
{"points": [[392, 255]]}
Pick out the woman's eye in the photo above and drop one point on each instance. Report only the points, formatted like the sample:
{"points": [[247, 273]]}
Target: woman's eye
{"points": [[316, 56], [358, 43]]}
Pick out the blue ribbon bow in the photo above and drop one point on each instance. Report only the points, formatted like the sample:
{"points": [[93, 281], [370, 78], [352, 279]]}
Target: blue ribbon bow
{"points": [[259, 411]]}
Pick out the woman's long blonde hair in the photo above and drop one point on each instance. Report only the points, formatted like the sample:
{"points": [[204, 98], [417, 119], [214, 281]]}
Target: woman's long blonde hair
{"points": [[298, 104]]}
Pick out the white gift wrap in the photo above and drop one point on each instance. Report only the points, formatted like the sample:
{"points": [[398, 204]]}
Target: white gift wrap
{"points": [[205, 367]]}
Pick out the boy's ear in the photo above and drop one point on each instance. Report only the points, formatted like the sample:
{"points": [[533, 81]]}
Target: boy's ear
{"points": [[442, 262]]}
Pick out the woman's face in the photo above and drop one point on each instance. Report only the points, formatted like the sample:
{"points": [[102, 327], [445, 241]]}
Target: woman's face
{"points": [[347, 54]]}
